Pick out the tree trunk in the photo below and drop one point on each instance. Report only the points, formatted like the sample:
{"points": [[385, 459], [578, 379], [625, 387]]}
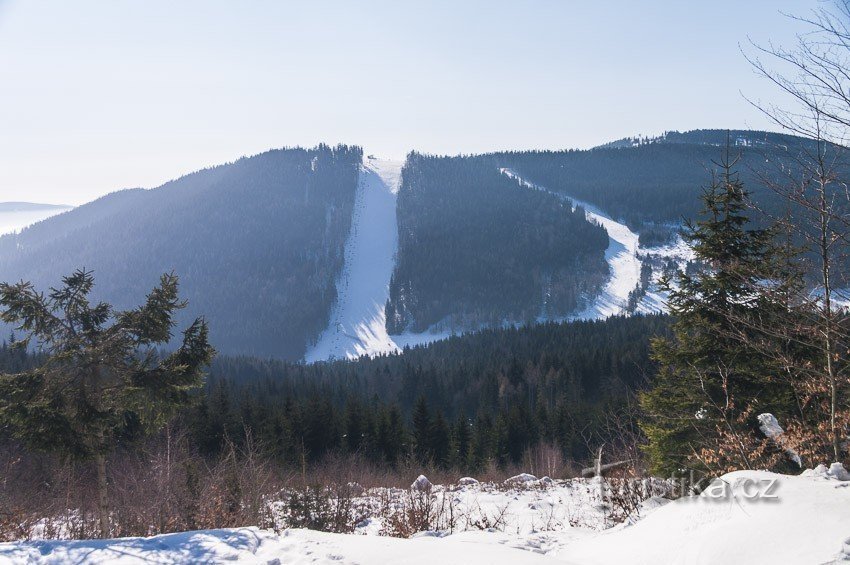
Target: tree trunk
{"points": [[102, 495]]}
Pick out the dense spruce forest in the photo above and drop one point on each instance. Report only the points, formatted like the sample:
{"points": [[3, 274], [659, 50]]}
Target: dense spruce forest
{"points": [[257, 243], [658, 180], [463, 402], [476, 248]]}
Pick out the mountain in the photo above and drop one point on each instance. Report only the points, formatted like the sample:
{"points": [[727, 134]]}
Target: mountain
{"points": [[257, 244], [29, 206], [647, 181], [311, 254]]}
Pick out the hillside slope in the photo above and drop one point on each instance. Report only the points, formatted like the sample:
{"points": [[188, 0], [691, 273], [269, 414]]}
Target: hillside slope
{"points": [[257, 245], [659, 180], [476, 248]]}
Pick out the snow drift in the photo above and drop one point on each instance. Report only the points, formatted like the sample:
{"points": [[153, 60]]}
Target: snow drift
{"points": [[760, 517]]}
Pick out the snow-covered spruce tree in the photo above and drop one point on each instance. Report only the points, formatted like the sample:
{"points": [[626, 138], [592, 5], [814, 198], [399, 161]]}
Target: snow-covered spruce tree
{"points": [[102, 381], [709, 380]]}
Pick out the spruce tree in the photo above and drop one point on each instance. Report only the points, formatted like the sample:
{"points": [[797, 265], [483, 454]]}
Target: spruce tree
{"points": [[101, 372], [422, 430], [708, 378]]}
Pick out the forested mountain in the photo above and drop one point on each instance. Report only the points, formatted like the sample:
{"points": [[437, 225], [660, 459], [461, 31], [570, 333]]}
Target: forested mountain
{"points": [[257, 245], [491, 395], [658, 180], [476, 248]]}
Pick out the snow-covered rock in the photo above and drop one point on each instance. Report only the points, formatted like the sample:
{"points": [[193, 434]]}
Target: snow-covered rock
{"points": [[355, 488], [422, 484], [836, 471], [770, 427], [520, 479]]}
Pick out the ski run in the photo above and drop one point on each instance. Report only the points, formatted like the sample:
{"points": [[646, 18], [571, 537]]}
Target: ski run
{"points": [[357, 323], [358, 320]]}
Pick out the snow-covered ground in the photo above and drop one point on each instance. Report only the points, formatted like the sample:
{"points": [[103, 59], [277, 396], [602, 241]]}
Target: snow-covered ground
{"points": [[746, 518], [680, 253], [357, 323], [14, 221]]}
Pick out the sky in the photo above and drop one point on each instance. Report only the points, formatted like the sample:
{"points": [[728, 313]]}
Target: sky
{"points": [[99, 96]]}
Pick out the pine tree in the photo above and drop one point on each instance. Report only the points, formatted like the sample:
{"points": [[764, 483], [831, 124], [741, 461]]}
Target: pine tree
{"points": [[708, 379], [101, 370], [422, 430]]}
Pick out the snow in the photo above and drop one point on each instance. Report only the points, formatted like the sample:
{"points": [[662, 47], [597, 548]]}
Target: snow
{"points": [[744, 518], [807, 523], [357, 324], [770, 427]]}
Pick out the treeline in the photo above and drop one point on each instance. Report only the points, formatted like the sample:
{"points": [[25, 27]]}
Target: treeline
{"points": [[476, 249], [463, 403], [258, 244]]}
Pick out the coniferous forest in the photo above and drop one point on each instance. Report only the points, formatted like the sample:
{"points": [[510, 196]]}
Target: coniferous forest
{"points": [[464, 402], [477, 249], [257, 244]]}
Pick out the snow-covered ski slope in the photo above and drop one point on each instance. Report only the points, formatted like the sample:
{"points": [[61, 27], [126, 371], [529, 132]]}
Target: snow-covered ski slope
{"points": [[358, 319], [621, 256], [357, 323]]}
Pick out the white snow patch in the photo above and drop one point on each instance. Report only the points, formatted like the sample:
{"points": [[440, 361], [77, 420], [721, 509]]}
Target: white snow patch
{"points": [[807, 522], [770, 427]]}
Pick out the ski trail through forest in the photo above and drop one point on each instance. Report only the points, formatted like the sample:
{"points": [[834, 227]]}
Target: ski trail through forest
{"points": [[357, 323], [621, 256]]}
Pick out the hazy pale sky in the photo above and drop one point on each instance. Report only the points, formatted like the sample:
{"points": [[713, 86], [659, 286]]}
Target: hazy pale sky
{"points": [[98, 96]]}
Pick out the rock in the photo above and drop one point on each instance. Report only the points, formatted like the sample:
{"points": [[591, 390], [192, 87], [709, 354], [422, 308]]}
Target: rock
{"points": [[421, 484], [837, 471], [521, 479]]}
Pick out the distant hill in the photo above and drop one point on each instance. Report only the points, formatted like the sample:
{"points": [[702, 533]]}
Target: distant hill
{"points": [[260, 243], [257, 244], [29, 206], [658, 180]]}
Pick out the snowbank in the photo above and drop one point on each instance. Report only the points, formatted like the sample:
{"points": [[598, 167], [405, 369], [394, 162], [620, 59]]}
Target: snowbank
{"points": [[745, 518], [807, 521]]}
